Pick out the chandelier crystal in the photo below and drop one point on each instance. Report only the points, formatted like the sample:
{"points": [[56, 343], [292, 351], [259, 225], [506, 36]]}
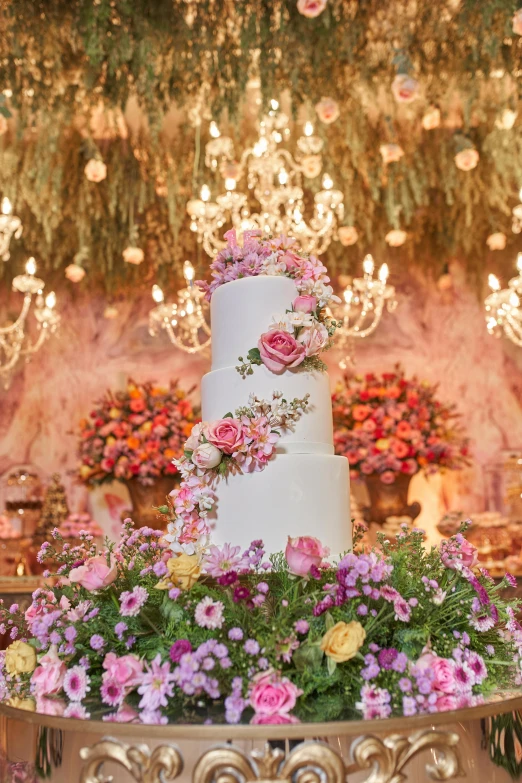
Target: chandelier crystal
{"points": [[186, 320], [502, 306], [15, 344], [365, 299], [10, 226], [275, 179]]}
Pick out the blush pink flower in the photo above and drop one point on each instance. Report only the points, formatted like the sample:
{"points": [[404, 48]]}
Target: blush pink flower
{"points": [[95, 170], [327, 110], [313, 338], [225, 434], [431, 118], [278, 719], [496, 241], [305, 303], [443, 671], [94, 574], [467, 159], [311, 8], [457, 553], [391, 153], [272, 694], [206, 456], [396, 237], [279, 350], [405, 88], [517, 22], [126, 670], [302, 553], [133, 255], [348, 235], [388, 477], [75, 273], [53, 707], [48, 676]]}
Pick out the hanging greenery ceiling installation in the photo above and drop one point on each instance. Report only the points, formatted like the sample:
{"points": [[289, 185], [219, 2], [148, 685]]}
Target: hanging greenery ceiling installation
{"points": [[133, 83]]}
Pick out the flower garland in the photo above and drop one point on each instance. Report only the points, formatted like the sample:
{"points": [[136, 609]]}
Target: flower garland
{"points": [[135, 434], [388, 425], [243, 443], [402, 631]]}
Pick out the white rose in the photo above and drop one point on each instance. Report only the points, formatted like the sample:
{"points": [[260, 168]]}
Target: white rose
{"points": [[506, 120], [206, 456], [314, 338], [95, 170], [496, 241], [133, 255], [195, 436]]}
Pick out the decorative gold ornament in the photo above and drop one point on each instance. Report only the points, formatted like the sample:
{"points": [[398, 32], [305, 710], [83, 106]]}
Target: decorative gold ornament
{"points": [[163, 764]]}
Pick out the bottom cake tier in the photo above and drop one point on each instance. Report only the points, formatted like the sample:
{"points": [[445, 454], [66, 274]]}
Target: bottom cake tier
{"points": [[296, 495]]}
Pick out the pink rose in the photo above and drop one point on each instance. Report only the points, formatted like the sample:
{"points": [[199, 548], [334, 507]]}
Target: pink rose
{"points": [[94, 573], [396, 237], [302, 553], [446, 702], [466, 159], [442, 669], [327, 110], [496, 241], [517, 22], [305, 303], [388, 477], [431, 118], [48, 676], [95, 170], [274, 720], [457, 553], [391, 153], [313, 338], [125, 670], [272, 695], [226, 434], [125, 714], [280, 350], [206, 456], [133, 255], [405, 88], [348, 235], [311, 8], [75, 273], [54, 707]]}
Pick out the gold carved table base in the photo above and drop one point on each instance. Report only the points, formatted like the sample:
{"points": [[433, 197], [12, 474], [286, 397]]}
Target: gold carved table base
{"points": [[309, 762]]}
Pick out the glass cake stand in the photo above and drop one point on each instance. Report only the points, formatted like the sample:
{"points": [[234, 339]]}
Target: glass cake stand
{"points": [[439, 746]]}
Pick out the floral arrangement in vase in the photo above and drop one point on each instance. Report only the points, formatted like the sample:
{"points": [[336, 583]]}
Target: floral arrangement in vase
{"points": [[296, 337], [389, 426], [141, 633], [135, 434]]}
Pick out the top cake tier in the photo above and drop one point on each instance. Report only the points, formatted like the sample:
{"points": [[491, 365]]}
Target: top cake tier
{"points": [[241, 311]]}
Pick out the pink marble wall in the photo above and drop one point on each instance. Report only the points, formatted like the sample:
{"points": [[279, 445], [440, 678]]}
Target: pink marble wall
{"points": [[439, 336]]}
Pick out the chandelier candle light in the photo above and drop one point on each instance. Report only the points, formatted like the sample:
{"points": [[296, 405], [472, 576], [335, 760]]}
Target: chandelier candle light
{"points": [[10, 226], [503, 311], [364, 301], [14, 342], [185, 321], [275, 178]]}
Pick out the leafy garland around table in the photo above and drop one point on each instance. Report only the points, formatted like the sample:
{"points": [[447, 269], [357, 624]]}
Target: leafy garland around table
{"points": [[406, 159], [139, 633]]}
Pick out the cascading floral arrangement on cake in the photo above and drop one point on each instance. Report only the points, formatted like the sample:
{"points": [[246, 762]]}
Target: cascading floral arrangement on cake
{"points": [[201, 624]]}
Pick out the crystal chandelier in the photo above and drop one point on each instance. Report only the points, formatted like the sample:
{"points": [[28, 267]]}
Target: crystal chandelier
{"points": [[364, 301], [10, 226], [275, 178], [14, 342], [503, 312], [185, 321]]}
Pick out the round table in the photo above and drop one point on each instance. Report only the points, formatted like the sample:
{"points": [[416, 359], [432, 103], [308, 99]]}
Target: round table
{"points": [[440, 746]]}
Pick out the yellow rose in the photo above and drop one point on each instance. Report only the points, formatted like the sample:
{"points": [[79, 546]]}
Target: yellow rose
{"points": [[383, 444], [85, 471], [20, 658], [114, 413], [184, 572], [343, 641], [111, 440], [29, 705]]}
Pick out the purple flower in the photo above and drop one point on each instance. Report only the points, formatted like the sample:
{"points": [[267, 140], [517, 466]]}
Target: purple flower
{"points": [[400, 663], [97, 642], [178, 649], [131, 602], [409, 707], [262, 587], [251, 647], [241, 594], [14, 608], [362, 610], [70, 633], [220, 651], [387, 657], [511, 580], [235, 634], [174, 593], [227, 579], [405, 684], [477, 666], [301, 626], [76, 683], [119, 629], [160, 568], [263, 663]]}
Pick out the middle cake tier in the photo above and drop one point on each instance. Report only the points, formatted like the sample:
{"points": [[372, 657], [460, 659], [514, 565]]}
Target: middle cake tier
{"points": [[222, 391]]}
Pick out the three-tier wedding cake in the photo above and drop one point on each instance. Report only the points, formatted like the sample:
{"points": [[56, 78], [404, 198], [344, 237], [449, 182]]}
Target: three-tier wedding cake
{"points": [[305, 488]]}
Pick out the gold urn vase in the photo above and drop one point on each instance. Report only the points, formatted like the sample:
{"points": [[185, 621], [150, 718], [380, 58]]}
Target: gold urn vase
{"points": [[388, 500], [145, 499]]}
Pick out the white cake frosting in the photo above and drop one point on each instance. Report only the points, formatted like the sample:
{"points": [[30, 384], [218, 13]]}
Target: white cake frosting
{"points": [[304, 490]]}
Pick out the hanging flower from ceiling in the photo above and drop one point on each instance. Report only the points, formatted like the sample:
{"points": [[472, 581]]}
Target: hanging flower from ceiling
{"points": [[311, 8], [95, 170], [75, 273], [506, 120], [133, 255], [348, 235], [496, 241], [405, 88], [110, 312], [3, 125], [517, 22], [311, 166], [467, 159], [396, 237], [327, 110], [391, 153], [431, 118]]}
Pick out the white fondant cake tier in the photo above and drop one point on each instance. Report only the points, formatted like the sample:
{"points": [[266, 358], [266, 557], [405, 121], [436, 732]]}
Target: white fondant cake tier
{"points": [[296, 495], [222, 391], [241, 311]]}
